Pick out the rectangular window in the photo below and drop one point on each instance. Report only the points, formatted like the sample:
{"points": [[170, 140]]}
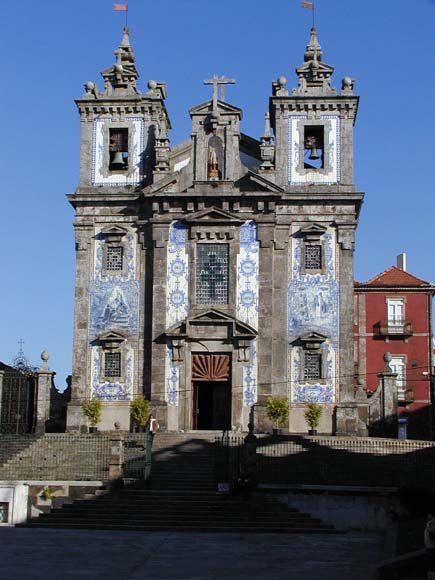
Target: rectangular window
{"points": [[398, 366], [4, 512], [118, 149], [313, 366], [396, 314], [313, 257], [212, 283], [112, 365], [114, 258]]}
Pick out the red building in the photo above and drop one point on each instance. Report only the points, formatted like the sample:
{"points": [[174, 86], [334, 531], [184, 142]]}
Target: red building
{"points": [[393, 313]]}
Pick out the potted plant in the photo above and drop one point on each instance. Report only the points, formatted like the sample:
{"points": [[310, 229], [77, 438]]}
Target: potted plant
{"points": [[313, 412], [92, 409], [277, 411], [139, 412]]}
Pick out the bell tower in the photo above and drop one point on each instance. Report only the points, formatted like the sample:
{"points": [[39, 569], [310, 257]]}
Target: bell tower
{"points": [[313, 163], [124, 146]]}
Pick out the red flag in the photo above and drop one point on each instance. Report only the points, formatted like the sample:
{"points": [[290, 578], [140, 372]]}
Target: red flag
{"points": [[309, 5], [121, 7]]}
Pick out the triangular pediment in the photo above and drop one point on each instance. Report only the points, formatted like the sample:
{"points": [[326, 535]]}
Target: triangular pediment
{"points": [[315, 229], [110, 337], [213, 215], [113, 232], [320, 67], [223, 107], [311, 340], [313, 336], [264, 183]]}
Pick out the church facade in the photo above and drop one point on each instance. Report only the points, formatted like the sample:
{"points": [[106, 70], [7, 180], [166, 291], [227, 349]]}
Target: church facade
{"points": [[215, 273]]}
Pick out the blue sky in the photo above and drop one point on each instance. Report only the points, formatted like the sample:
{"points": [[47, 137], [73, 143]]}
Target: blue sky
{"points": [[51, 48]]}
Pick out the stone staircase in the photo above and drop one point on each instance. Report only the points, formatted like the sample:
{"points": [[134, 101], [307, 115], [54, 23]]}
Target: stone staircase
{"points": [[56, 457], [180, 497]]}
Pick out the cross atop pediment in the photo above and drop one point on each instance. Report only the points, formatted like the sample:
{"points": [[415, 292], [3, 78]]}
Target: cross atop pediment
{"points": [[216, 82]]}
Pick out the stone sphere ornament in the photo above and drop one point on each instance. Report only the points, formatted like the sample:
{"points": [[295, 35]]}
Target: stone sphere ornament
{"points": [[89, 86], [282, 81], [45, 355], [152, 85]]}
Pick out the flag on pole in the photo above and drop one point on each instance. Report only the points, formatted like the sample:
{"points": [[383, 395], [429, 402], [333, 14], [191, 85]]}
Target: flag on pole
{"points": [[120, 7], [309, 5]]}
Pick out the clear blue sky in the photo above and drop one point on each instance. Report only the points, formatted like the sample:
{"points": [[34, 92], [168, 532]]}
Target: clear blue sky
{"points": [[51, 48]]}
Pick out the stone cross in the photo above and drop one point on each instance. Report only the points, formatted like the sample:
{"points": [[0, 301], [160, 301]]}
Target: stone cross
{"points": [[216, 81]]}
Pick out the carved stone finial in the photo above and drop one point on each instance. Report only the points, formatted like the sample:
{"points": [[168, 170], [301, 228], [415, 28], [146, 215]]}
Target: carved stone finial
{"points": [[267, 147], [347, 85], [120, 79], [45, 355], [314, 50], [279, 87], [314, 75], [387, 359]]}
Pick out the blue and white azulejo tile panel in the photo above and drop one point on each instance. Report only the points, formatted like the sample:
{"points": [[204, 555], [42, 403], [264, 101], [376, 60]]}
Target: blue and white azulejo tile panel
{"points": [[177, 276], [323, 392], [297, 174], [247, 302], [100, 174], [114, 300], [313, 302], [112, 391], [247, 275], [313, 299], [250, 391], [172, 379]]}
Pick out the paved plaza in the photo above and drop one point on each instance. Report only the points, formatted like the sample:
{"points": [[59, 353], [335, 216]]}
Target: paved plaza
{"points": [[36, 554]]}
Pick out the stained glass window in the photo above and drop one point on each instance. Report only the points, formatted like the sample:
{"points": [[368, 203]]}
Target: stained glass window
{"points": [[112, 364], [313, 257], [212, 274], [114, 258], [312, 368]]}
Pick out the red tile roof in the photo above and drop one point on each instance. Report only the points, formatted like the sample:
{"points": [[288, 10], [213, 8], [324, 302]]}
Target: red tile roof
{"points": [[395, 276]]}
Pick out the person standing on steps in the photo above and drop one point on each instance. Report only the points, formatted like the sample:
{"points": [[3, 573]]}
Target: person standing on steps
{"points": [[151, 429]]}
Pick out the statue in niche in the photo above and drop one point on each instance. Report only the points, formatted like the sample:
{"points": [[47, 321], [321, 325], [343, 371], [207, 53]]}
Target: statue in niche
{"points": [[213, 170], [214, 158]]}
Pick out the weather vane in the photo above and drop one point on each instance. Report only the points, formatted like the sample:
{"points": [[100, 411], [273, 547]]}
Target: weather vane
{"points": [[310, 6], [122, 8]]}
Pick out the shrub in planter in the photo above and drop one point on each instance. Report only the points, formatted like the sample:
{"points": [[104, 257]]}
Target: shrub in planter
{"points": [[92, 410], [277, 411], [313, 412], [139, 411]]}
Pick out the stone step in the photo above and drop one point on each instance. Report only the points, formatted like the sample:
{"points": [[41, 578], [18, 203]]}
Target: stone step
{"points": [[186, 528]]}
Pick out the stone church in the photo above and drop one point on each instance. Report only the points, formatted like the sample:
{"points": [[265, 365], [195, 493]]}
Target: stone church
{"points": [[216, 272]]}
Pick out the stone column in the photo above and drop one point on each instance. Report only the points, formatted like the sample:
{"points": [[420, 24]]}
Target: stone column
{"points": [[347, 419], [116, 459], [388, 398], [45, 381], [80, 388], [158, 348]]}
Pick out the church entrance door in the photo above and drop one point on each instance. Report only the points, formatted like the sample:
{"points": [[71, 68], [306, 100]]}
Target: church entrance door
{"points": [[211, 392]]}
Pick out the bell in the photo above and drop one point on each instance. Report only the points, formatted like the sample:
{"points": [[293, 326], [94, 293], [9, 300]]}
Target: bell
{"points": [[314, 154], [118, 161]]}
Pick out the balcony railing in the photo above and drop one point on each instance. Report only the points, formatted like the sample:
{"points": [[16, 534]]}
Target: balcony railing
{"points": [[394, 327]]}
